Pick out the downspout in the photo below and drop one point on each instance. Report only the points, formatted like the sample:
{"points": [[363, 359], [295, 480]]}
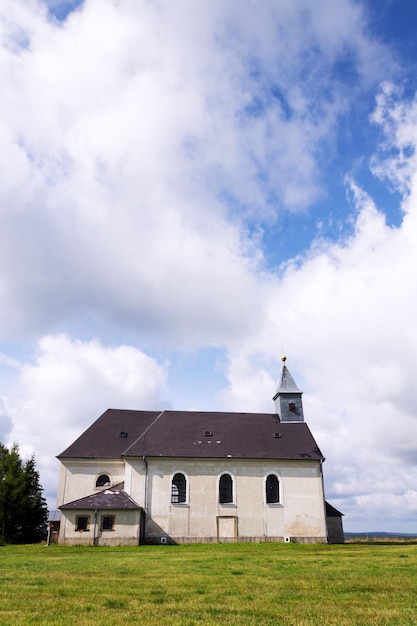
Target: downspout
{"points": [[94, 529], [145, 499]]}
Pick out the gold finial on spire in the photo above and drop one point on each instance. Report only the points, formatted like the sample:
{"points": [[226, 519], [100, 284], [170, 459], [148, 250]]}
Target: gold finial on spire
{"points": [[283, 359]]}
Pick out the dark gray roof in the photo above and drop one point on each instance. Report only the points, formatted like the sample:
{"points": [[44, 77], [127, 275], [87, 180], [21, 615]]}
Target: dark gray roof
{"points": [[102, 439], [114, 498], [194, 434], [331, 511]]}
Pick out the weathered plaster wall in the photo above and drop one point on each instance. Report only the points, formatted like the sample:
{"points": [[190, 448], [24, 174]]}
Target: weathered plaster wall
{"points": [[126, 530], [300, 513], [77, 477]]}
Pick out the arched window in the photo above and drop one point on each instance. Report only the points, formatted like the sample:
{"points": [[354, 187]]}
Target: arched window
{"points": [[225, 489], [103, 481], [178, 489], [272, 489]]}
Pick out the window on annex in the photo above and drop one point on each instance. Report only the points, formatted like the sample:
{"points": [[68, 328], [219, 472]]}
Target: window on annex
{"points": [[103, 481], [272, 489], [225, 489], [178, 489], [82, 522], [107, 522]]}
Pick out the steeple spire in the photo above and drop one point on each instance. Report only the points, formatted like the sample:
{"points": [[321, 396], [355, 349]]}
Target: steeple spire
{"points": [[288, 402]]}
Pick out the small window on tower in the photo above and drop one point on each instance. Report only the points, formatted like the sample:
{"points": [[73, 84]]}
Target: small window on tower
{"points": [[292, 407]]}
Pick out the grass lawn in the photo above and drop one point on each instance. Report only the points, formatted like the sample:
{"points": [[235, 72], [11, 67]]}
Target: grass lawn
{"points": [[220, 584]]}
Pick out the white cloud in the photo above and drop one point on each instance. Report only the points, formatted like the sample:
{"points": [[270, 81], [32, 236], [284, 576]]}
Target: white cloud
{"points": [[346, 314], [396, 160], [140, 142], [66, 388], [137, 140]]}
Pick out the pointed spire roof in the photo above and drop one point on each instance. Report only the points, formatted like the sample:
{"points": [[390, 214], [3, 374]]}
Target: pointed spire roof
{"points": [[288, 402], [286, 384]]}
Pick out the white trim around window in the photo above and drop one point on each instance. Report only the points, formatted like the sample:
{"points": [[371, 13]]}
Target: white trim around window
{"points": [[272, 489], [179, 488], [226, 489]]}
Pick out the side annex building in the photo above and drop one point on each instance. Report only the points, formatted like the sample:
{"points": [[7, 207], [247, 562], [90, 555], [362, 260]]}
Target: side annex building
{"points": [[183, 477]]}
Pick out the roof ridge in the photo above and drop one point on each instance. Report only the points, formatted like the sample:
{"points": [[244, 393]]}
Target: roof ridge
{"points": [[195, 412], [144, 432], [99, 499]]}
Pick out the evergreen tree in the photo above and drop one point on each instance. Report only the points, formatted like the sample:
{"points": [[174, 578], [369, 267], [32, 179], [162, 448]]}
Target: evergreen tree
{"points": [[23, 511]]}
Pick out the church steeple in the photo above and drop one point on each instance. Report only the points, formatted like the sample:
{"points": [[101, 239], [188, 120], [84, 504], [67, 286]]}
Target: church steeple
{"points": [[288, 402]]}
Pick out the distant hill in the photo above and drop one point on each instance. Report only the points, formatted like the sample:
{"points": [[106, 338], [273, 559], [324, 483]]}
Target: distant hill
{"points": [[380, 535]]}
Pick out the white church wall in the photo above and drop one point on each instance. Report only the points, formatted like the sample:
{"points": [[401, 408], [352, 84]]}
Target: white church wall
{"points": [[78, 477], [299, 513]]}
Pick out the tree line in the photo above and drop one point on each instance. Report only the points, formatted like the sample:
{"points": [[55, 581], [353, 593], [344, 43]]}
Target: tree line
{"points": [[23, 509]]}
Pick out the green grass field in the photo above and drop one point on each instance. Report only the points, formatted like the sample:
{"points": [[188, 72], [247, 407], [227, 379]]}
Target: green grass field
{"points": [[210, 584]]}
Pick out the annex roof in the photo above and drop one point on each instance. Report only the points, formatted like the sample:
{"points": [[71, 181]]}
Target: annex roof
{"points": [[120, 433], [331, 511], [114, 498]]}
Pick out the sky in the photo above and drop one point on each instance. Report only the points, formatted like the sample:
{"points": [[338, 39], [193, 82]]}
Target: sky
{"points": [[190, 190]]}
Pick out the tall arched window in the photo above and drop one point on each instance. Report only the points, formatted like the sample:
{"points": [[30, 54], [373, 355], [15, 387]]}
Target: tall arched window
{"points": [[225, 489], [178, 489], [103, 481], [272, 489]]}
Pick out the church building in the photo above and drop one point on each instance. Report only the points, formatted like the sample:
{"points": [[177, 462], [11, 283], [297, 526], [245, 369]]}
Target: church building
{"points": [[189, 476]]}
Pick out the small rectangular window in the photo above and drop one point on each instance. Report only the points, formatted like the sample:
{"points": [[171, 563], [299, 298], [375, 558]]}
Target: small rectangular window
{"points": [[107, 522], [82, 523]]}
